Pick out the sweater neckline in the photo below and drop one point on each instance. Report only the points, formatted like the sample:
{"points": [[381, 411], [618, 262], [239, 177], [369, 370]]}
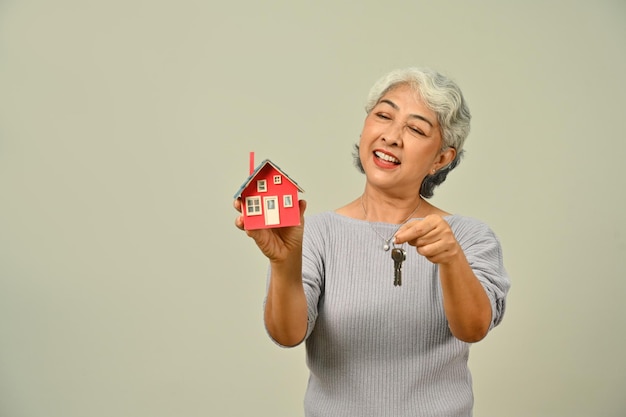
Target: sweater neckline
{"points": [[359, 221]]}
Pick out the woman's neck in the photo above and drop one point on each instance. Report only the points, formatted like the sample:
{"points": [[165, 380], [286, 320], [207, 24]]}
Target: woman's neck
{"points": [[379, 207]]}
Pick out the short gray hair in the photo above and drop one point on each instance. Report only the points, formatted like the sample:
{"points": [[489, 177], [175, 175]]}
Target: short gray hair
{"points": [[441, 95]]}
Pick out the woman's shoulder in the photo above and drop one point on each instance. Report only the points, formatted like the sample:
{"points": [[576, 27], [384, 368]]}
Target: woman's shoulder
{"points": [[466, 227], [328, 218], [320, 229], [332, 223], [463, 220]]}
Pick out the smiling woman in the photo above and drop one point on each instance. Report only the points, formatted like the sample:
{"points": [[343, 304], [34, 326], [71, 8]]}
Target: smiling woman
{"points": [[443, 98], [378, 346], [401, 142]]}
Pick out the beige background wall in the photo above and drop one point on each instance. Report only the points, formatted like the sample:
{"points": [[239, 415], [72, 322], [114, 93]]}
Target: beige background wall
{"points": [[125, 128]]}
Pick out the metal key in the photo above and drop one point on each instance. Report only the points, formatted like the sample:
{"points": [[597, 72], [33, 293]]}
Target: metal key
{"points": [[398, 255]]}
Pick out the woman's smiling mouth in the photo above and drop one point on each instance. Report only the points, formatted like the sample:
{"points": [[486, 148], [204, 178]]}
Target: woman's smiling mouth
{"points": [[386, 157]]}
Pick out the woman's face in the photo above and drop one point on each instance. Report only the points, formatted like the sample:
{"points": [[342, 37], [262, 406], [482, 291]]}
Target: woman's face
{"points": [[401, 143]]}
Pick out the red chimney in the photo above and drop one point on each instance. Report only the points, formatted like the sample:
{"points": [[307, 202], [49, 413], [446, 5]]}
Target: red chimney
{"points": [[251, 162]]}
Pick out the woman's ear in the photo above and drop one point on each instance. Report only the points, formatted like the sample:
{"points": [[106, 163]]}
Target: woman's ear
{"points": [[445, 158]]}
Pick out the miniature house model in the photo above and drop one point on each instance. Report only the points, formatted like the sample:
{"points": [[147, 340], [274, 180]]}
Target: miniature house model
{"points": [[269, 198]]}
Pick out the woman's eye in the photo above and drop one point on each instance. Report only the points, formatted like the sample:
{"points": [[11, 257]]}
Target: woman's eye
{"points": [[416, 130], [383, 116]]}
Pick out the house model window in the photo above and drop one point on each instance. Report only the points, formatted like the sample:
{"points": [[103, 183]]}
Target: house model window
{"points": [[253, 206], [278, 179], [287, 201], [261, 186]]}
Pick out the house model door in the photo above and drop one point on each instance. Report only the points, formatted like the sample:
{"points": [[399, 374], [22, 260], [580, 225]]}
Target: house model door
{"points": [[271, 210]]}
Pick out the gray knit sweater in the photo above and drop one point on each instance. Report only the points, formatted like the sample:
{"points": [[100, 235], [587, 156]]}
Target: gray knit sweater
{"points": [[383, 351]]}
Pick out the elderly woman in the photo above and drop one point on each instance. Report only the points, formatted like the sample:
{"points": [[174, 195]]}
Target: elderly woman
{"points": [[389, 291]]}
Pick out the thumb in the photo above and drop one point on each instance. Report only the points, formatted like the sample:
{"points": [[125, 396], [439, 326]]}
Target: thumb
{"points": [[302, 205]]}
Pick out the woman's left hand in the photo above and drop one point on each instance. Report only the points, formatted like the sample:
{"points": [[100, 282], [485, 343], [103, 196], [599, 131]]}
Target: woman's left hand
{"points": [[432, 238], [465, 301]]}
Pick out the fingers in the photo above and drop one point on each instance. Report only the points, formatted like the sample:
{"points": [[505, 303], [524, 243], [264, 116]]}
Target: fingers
{"points": [[239, 222], [237, 204], [417, 229], [431, 237], [302, 205], [238, 219], [436, 252]]}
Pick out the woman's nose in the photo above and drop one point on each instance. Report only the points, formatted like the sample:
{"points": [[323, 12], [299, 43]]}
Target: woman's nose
{"points": [[393, 135]]}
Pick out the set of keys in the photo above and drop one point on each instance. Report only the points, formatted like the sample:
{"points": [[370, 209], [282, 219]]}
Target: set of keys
{"points": [[398, 255]]}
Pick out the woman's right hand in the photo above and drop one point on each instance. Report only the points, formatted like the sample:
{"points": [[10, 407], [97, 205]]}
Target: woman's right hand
{"points": [[278, 244]]}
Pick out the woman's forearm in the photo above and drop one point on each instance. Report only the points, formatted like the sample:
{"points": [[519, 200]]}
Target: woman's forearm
{"points": [[286, 308], [465, 301]]}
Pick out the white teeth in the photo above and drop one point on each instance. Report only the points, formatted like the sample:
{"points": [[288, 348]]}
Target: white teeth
{"points": [[386, 157]]}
